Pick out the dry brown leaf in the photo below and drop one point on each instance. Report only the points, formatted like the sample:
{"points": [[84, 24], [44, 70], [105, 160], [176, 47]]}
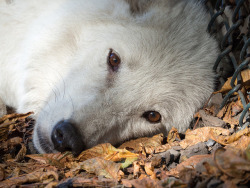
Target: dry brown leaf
{"points": [[222, 112], [107, 151], [92, 182], [202, 135], [211, 121], [127, 183], [14, 117], [52, 184], [120, 175], [228, 112], [237, 107], [2, 173], [36, 176], [242, 143], [100, 167], [173, 135], [245, 81], [144, 144], [189, 163], [232, 162], [15, 172], [9, 121], [100, 150], [120, 154], [156, 145], [151, 145], [228, 117], [142, 183], [142, 176], [188, 175], [137, 168], [166, 147], [10, 143], [21, 153], [225, 140], [55, 159], [211, 170], [149, 169]]}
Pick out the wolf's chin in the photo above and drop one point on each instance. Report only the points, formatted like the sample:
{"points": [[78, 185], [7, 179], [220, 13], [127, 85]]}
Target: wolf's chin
{"points": [[41, 143]]}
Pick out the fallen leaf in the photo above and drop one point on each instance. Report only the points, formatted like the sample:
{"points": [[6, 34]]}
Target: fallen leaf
{"points": [[225, 140], [209, 120], [9, 121], [173, 135], [36, 176], [21, 153], [100, 167], [144, 144], [145, 182], [2, 173], [237, 107], [188, 175], [212, 170], [222, 112], [165, 147], [10, 143], [137, 168], [228, 117], [173, 182], [149, 169], [232, 162], [109, 152], [88, 182], [52, 184], [54, 159], [127, 183], [214, 104], [245, 74], [189, 163], [202, 135]]}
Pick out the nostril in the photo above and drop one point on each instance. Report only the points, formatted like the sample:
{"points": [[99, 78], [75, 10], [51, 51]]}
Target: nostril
{"points": [[66, 137], [59, 135]]}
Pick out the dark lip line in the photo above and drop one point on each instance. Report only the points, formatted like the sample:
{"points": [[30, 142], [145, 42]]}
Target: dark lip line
{"points": [[43, 141]]}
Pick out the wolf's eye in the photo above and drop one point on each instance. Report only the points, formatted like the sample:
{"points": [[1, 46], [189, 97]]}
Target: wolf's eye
{"points": [[152, 116], [113, 60]]}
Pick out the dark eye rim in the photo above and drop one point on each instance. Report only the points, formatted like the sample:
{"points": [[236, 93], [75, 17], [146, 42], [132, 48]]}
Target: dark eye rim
{"points": [[145, 115], [114, 68]]}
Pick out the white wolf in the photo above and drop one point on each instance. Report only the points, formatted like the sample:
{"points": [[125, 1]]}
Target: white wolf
{"points": [[98, 71]]}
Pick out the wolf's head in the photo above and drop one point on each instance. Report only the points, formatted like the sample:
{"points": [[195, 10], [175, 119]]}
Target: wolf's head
{"points": [[130, 75]]}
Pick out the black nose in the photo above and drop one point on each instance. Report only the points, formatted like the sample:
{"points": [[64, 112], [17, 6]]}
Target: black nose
{"points": [[65, 137]]}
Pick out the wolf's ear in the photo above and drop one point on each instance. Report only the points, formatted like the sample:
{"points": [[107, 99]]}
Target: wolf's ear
{"points": [[139, 6]]}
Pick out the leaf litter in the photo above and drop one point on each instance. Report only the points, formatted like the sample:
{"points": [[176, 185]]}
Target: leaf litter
{"points": [[215, 153]]}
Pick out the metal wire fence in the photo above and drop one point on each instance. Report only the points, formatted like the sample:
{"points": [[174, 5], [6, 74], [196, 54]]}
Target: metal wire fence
{"points": [[231, 18]]}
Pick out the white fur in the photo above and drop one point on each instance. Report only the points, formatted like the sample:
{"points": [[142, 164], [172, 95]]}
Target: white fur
{"points": [[53, 61]]}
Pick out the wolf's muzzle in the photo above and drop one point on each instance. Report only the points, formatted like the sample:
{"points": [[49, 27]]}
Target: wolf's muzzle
{"points": [[65, 137]]}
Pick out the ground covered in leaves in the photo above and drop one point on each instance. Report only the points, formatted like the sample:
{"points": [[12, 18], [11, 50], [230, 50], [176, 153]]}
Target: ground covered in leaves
{"points": [[214, 156]]}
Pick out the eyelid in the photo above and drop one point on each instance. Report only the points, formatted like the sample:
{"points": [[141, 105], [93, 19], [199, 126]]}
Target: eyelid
{"points": [[111, 50], [113, 68], [147, 113]]}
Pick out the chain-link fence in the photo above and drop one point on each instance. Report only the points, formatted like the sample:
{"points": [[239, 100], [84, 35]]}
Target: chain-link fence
{"points": [[230, 21]]}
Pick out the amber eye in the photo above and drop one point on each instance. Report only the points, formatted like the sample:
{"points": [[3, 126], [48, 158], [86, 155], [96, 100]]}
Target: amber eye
{"points": [[152, 116], [113, 60]]}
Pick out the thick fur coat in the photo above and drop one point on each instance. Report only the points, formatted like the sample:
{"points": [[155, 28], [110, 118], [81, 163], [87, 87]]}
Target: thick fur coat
{"points": [[53, 61]]}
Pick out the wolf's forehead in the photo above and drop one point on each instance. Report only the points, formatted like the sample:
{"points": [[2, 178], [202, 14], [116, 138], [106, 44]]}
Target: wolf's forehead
{"points": [[142, 85]]}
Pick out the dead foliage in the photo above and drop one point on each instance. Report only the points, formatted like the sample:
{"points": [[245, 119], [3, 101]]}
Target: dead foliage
{"points": [[218, 155]]}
